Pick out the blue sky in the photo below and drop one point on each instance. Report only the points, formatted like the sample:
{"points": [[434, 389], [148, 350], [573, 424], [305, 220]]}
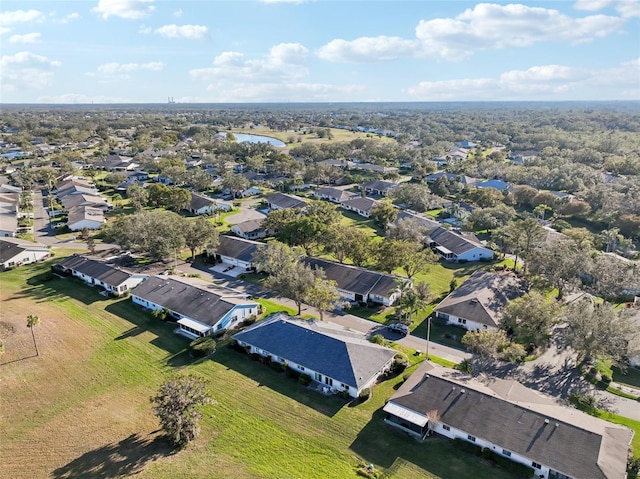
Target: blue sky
{"points": [[144, 51]]}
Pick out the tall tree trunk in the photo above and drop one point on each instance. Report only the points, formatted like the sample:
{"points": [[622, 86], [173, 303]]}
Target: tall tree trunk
{"points": [[35, 344]]}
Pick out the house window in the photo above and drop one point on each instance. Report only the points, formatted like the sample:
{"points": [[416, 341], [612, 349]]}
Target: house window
{"points": [[446, 428], [536, 465], [484, 326], [506, 453], [471, 438], [301, 368], [345, 386], [462, 321]]}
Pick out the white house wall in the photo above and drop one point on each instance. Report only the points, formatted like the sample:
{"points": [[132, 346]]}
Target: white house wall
{"points": [[90, 225], [466, 323], [26, 257], [475, 254], [337, 386], [454, 433]]}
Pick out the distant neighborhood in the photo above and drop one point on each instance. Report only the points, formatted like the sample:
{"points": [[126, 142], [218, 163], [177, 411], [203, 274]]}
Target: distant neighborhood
{"points": [[481, 290]]}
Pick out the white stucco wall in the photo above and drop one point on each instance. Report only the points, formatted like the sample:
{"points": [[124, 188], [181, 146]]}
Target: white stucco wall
{"points": [[26, 257]]}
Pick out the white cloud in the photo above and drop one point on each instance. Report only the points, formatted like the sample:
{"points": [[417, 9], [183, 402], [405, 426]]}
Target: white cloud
{"points": [[545, 82], [178, 13], [626, 8], [366, 49], [4, 30], [277, 92], [190, 32], [26, 70], [26, 38], [113, 68], [79, 98], [127, 9], [145, 30], [284, 61], [21, 16], [70, 18], [484, 27]]}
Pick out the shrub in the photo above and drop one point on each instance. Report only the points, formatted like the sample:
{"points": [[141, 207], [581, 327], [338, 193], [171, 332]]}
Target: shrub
{"points": [[606, 378], [219, 333], [291, 373], [400, 363], [465, 366], [304, 379], [161, 314], [202, 347], [250, 320], [276, 366], [255, 357], [467, 447], [378, 339], [364, 394], [583, 401]]}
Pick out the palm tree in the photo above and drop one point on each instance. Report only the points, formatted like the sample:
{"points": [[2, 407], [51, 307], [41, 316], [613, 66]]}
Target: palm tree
{"points": [[32, 322]]}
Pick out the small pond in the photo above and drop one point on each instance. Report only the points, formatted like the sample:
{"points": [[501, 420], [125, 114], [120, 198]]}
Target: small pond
{"points": [[246, 138]]}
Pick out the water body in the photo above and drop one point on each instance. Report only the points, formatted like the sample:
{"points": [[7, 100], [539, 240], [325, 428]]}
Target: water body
{"points": [[246, 138]]}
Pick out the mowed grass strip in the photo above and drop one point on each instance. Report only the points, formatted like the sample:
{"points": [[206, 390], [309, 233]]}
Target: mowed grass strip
{"points": [[84, 403]]}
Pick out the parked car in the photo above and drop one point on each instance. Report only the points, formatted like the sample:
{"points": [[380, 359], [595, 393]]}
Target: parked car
{"points": [[399, 328]]}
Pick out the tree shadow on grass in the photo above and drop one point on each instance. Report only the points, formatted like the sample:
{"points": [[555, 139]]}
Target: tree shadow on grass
{"points": [[386, 446], [121, 459], [279, 382], [46, 286]]}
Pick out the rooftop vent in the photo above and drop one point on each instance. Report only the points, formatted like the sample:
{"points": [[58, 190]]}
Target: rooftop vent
{"points": [[546, 421], [462, 391]]}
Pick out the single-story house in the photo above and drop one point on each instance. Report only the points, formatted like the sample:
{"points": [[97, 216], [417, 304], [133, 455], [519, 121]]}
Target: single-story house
{"points": [[335, 195], [116, 163], [76, 190], [280, 201], [379, 187], [465, 144], [199, 307], [360, 205], [512, 421], [94, 272], [521, 157], [201, 205], [496, 184], [426, 223], [456, 247], [236, 251], [81, 217], [465, 180], [71, 201], [15, 252], [359, 284], [8, 224], [478, 302], [340, 360], [250, 229]]}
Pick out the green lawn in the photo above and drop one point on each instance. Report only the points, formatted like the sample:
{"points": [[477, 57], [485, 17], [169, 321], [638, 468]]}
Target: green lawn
{"points": [[83, 403]]}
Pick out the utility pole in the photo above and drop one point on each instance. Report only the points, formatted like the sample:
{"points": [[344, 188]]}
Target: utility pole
{"points": [[428, 335]]}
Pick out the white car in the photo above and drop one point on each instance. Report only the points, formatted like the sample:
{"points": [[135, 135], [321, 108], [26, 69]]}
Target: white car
{"points": [[399, 328]]}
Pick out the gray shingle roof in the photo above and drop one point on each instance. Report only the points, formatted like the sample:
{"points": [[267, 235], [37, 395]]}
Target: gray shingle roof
{"points": [[204, 305], [95, 269], [10, 247], [356, 280], [250, 226], [238, 248], [199, 201], [531, 424], [454, 242], [360, 203], [482, 296], [333, 352], [379, 185], [281, 200]]}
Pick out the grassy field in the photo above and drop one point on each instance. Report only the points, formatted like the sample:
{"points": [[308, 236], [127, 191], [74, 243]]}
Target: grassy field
{"points": [[81, 408], [339, 135]]}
